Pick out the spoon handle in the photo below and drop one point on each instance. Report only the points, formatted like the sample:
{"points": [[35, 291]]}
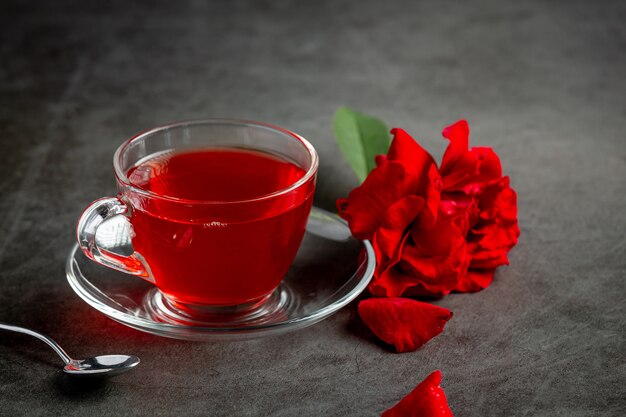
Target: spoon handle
{"points": [[44, 338]]}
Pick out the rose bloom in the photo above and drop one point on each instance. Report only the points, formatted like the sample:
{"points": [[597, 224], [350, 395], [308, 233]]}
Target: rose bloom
{"points": [[434, 230], [473, 186]]}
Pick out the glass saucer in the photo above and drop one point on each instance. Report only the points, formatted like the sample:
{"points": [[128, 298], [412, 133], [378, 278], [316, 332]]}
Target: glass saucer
{"points": [[330, 270]]}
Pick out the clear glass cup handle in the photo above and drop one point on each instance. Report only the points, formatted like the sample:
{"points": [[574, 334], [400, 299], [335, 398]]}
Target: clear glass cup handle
{"points": [[97, 213]]}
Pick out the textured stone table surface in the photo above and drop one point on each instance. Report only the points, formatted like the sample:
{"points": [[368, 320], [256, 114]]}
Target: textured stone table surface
{"points": [[540, 82]]}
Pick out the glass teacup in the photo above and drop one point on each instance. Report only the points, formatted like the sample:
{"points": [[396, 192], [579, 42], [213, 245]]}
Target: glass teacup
{"points": [[218, 209]]}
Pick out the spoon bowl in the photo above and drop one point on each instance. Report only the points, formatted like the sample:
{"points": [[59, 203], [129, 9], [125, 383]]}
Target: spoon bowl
{"points": [[108, 365]]}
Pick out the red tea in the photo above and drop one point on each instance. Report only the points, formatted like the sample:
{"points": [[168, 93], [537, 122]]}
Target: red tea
{"points": [[243, 253]]}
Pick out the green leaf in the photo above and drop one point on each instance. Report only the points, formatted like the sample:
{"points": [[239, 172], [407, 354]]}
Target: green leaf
{"points": [[360, 138]]}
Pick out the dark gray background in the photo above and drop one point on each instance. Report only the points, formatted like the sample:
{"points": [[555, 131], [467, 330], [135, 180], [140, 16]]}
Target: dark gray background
{"points": [[540, 82]]}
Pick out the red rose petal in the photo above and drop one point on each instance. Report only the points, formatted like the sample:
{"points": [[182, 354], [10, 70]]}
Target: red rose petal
{"points": [[366, 205], [437, 240], [397, 218], [438, 275], [475, 280], [480, 166], [458, 135], [488, 167], [389, 281], [461, 207], [496, 230], [426, 400], [499, 200], [407, 324], [482, 258], [405, 150], [392, 281], [463, 169], [429, 262], [408, 273], [457, 164], [431, 189], [342, 205]]}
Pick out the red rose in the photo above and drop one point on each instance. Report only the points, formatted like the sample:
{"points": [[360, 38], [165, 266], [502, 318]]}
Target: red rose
{"points": [[434, 230], [429, 262], [473, 187], [418, 251]]}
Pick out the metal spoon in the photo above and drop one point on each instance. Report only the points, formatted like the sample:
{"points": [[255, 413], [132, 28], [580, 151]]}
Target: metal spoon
{"points": [[105, 365]]}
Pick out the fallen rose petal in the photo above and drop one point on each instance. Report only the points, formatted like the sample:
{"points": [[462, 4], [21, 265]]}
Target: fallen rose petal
{"points": [[407, 324], [426, 400]]}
